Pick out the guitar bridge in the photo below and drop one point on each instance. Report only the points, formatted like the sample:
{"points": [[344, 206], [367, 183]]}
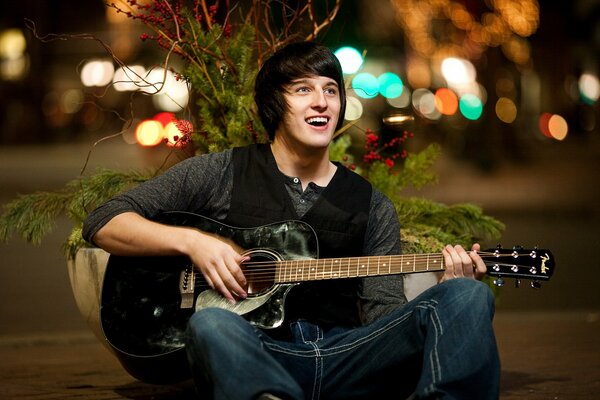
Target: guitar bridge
{"points": [[186, 287]]}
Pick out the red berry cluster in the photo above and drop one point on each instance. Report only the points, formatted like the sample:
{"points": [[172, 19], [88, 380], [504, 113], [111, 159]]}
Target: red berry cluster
{"points": [[378, 149], [166, 18]]}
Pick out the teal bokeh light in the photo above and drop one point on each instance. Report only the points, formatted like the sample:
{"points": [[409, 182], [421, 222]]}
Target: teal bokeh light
{"points": [[470, 106], [365, 85], [350, 59], [390, 85]]}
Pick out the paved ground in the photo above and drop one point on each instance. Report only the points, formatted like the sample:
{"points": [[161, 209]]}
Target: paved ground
{"points": [[544, 356]]}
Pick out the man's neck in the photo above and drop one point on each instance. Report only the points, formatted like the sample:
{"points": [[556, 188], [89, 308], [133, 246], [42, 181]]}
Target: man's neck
{"points": [[309, 166]]}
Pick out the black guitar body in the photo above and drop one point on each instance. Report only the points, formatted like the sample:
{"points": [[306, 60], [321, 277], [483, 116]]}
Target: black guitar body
{"points": [[141, 312]]}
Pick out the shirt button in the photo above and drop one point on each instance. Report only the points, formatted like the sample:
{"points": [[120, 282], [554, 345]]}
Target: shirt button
{"points": [[302, 201], [296, 180]]}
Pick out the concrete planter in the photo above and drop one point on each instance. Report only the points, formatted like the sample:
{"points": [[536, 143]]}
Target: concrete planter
{"points": [[86, 272]]}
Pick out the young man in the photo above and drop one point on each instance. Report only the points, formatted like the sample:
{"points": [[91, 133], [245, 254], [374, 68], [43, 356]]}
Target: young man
{"points": [[341, 339]]}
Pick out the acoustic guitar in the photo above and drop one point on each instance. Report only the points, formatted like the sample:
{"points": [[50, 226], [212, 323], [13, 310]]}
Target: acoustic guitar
{"points": [[146, 302]]}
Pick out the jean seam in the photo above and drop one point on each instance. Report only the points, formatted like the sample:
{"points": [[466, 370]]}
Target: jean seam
{"points": [[436, 369], [346, 347]]}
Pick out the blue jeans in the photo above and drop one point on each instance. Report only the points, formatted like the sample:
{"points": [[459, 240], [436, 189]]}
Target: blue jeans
{"points": [[439, 345]]}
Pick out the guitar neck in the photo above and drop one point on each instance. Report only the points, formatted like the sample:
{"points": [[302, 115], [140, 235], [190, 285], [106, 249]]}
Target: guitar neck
{"points": [[354, 267]]}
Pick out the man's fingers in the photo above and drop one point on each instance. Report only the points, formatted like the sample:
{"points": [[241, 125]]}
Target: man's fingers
{"points": [[459, 263]]}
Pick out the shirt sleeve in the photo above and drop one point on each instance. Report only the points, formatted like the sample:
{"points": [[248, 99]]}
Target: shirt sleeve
{"points": [[198, 184], [380, 295]]}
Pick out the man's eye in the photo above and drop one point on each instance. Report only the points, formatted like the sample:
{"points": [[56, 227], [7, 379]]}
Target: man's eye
{"points": [[303, 89], [331, 91]]}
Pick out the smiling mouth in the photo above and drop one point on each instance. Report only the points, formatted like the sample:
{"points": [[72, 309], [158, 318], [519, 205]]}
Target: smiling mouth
{"points": [[317, 121]]}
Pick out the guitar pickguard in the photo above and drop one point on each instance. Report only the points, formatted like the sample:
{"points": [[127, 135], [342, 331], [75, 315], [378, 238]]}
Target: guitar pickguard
{"points": [[263, 310]]}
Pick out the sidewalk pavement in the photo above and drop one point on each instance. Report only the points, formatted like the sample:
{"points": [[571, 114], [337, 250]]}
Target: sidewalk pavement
{"points": [[545, 355]]}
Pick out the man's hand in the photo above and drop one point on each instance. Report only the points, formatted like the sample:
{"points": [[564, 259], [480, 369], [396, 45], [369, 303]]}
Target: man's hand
{"points": [[459, 263], [221, 266]]}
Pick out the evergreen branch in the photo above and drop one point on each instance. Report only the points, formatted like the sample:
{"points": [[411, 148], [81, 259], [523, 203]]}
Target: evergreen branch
{"points": [[33, 216]]}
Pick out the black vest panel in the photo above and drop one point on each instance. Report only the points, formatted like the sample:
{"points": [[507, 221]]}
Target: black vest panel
{"points": [[339, 218]]}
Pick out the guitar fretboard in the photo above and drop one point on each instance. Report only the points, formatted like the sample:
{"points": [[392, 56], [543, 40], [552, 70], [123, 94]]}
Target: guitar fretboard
{"points": [[354, 267]]}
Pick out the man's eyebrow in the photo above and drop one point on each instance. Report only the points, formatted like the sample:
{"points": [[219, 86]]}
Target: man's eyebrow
{"points": [[300, 81]]}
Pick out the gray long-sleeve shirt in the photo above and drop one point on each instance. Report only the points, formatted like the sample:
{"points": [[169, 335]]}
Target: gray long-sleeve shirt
{"points": [[203, 184]]}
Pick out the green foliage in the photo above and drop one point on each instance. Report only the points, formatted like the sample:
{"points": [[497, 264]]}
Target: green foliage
{"points": [[426, 225], [446, 224], [338, 150], [223, 89], [34, 215]]}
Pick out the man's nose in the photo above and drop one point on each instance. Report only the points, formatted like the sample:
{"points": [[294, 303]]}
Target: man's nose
{"points": [[319, 99]]}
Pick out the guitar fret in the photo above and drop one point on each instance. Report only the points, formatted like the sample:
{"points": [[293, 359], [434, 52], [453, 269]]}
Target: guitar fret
{"points": [[346, 267], [279, 268], [299, 271]]}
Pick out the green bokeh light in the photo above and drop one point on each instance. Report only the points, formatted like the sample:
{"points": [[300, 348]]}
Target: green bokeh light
{"points": [[390, 85], [365, 85], [470, 106]]}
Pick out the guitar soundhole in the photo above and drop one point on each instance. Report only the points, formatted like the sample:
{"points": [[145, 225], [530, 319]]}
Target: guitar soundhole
{"points": [[260, 271]]}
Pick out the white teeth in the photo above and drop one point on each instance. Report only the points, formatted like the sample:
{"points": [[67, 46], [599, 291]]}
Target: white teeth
{"points": [[317, 120]]}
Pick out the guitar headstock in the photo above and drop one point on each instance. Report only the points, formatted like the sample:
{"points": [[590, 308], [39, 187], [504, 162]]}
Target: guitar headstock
{"points": [[519, 263]]}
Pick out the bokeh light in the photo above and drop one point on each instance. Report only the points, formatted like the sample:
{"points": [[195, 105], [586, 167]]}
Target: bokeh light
{"points": [[558, 127], [165, 117], [169, 93], [446, 101], [97, 73], [589, 88], [172, 133], [365, 85], [14, 62], [458, 71], [470, 106], [423, 102], [354, 108], [506, 110], [543, 124], [553, 126], [402, 101], [350, 59], [390, 85], [128, 78], [149, 133]]}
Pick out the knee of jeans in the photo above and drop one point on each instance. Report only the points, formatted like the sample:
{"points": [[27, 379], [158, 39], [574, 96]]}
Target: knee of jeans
{"points": [[209, 321], [473, 292]]}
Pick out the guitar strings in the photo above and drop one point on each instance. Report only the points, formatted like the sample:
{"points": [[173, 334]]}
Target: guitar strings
{"points": [[265, 271]]}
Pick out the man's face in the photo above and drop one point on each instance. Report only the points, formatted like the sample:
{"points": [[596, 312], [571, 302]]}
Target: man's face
{"points": [[313, 111]]}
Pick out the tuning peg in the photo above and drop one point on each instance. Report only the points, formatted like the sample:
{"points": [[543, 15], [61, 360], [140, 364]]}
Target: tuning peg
{"points": [[517, 283], [536, 284], [499, 282]]}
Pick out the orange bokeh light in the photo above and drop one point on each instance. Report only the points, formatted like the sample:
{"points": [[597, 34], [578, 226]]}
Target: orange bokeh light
{"points": [[446, 101]]}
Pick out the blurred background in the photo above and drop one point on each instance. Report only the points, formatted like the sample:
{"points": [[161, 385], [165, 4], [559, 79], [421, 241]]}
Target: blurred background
{"points": [[509, 89]]}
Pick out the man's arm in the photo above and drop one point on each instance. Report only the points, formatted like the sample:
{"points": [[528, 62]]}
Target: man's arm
{"points": [[125, 224], [382, 294], [130, 234]]}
